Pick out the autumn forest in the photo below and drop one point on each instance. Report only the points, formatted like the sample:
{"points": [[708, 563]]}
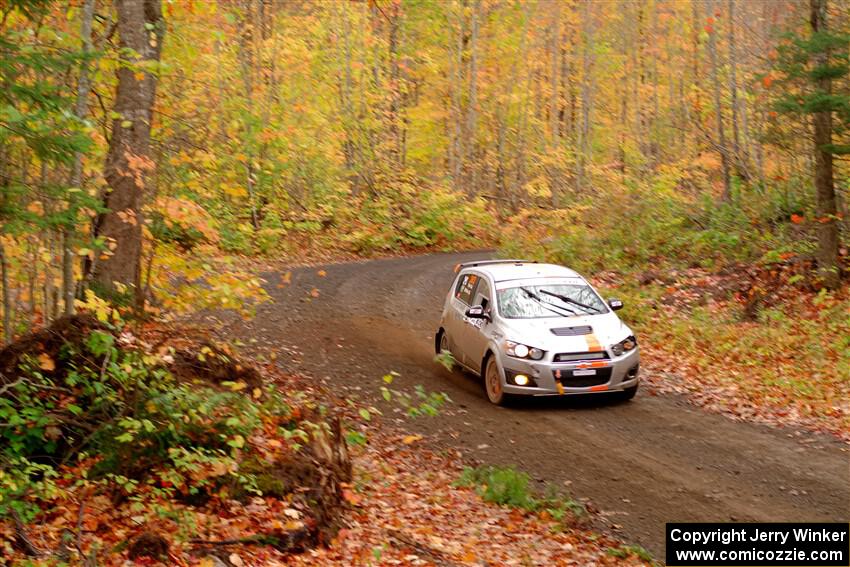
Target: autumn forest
{"points": [[372, 126], [156, 154]]}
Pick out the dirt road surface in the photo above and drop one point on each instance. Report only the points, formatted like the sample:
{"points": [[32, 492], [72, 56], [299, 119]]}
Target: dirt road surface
{"points": [[640, 463]]}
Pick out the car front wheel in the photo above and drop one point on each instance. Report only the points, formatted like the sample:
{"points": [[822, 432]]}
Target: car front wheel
{"points": [[493, 382]]}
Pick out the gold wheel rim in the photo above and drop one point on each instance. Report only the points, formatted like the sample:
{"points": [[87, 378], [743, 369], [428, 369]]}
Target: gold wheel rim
{"points": [[494, 387]]}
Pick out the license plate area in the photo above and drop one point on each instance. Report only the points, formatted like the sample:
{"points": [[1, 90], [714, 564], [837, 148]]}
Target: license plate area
{"points": [[582, 377]]}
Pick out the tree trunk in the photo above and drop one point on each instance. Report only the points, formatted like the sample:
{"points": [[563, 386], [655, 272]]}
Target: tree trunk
{"points": [[587, 94], [472, 104], [652, 130], [555, 51], [457, 104], [7, 296], [522, 139], [246, 56], [394, 119], [141, 29], [718, 111], [827, 208], [76, 179], [740, 159]]}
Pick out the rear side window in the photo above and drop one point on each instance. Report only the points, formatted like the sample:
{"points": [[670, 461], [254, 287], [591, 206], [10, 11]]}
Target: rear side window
{"points": [[482, 294], [466, 285]]}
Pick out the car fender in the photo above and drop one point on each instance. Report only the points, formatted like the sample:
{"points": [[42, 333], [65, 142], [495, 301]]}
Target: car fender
{"points": [[494, 351]]}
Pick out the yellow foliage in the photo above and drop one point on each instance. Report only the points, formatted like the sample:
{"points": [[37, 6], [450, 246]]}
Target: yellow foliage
{"points": [[99, 307], [187, 214]]}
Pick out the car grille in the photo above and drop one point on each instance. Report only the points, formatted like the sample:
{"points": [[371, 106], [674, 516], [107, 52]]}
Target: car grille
{"points": [[576, 356], [602, 376], [572, 331]]}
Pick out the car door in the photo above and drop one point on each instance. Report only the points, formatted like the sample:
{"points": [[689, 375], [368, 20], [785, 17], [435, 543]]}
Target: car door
{"points": [[477, 331], [455, 319]]}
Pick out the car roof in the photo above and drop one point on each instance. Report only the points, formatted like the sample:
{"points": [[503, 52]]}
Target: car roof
{"points": [[524, 270]]}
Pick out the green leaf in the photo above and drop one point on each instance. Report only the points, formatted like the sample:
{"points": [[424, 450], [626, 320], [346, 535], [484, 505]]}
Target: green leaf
{"points": [[364, 413], [355, 438]]}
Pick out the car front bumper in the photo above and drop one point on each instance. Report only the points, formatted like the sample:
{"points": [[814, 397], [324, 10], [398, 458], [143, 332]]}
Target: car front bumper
{"points": [[612, 375]]}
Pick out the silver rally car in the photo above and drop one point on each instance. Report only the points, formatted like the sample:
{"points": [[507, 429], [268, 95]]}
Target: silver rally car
{"points": [[537, 330]]}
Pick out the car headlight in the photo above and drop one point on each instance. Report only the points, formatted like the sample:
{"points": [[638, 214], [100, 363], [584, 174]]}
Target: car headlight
{"points": [[519, 350], [624, 346]]}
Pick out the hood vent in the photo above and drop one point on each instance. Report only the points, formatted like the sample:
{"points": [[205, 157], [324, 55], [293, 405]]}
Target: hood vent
{"points": [[572, 331]]}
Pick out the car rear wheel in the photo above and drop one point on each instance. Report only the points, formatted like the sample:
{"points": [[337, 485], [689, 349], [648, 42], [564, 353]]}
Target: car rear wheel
{"points": [[493, 382], [444, 343]]}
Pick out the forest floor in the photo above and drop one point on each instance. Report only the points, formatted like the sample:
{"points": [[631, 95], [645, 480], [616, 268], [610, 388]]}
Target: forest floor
{"points": [[637, 465], [402, 505]]}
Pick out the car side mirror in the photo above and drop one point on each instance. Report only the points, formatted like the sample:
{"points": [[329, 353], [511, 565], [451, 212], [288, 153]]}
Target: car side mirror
{"points": [[615, 304], [477, 312]]}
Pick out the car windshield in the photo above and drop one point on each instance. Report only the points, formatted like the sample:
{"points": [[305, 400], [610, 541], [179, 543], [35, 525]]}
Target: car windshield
{"points": [[536, 301]]}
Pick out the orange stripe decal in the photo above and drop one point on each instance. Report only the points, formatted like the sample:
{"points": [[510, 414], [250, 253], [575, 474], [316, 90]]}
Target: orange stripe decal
{"points": [[601, 388], [596, 364], [593, 344]]}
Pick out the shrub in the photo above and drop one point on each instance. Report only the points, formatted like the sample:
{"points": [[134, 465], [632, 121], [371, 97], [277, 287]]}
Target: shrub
{"points": [[503, 486], [270, 240], [122, 407], [632, 225], [236, 238], [509, 487]]}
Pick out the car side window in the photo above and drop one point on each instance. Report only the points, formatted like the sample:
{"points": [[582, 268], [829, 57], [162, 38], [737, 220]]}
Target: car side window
{"points": [[466, 286], [482, 295]]}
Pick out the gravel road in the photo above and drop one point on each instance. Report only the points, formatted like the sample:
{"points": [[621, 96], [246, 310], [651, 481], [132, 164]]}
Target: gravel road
{"points": [[641, 463]]}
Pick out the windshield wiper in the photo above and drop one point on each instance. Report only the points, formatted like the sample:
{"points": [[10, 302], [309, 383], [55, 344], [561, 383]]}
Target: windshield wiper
{"points": [[588, 308], [548, 306]]}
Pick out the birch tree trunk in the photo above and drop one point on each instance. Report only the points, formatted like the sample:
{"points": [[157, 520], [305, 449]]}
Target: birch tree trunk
{"points": [[81, 109]]}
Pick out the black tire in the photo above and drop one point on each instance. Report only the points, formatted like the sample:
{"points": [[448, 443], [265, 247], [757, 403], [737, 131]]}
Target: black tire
{"points": [[443, 343]]}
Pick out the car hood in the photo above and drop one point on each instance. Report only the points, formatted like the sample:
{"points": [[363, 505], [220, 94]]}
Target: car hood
{"points": [[607, 328]]}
